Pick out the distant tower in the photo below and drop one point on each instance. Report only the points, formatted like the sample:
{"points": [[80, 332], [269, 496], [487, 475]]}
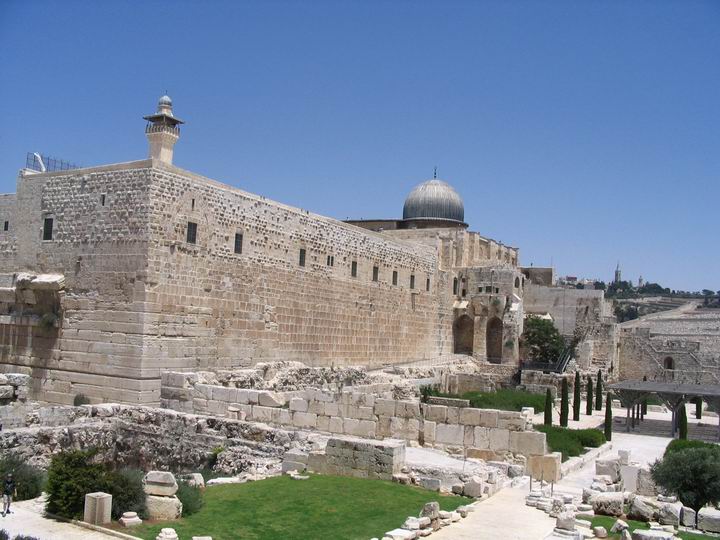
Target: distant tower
{"points": [[641, 281], [618, 274], [163, 131]]}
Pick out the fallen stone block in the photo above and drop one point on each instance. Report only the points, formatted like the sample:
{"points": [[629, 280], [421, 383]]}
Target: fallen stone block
{"points": [[709, 520], [649, 534], [687, 517], [669, 513], [160, 483], [608, 467], [608, 504], [433, 484], [163, 508], [643, 509], [600, 532], [401, 534]]}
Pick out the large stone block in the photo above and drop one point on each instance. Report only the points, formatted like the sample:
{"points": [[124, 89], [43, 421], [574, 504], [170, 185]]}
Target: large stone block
{"points": [[481, 437], [499, 439], [450, 434], [408, 409], [528, 443], [298, 405], [670, 513], [385, 407], [608, 467], [709, 520], [608, 504], [546, 467], [470, 417], [513, 421], [163, 508], [359, 428], [429, 431], [436, 413], [161, 483], [98, 507], [489, 418], [271, 399], [7, 392], [643, 508], [304, 420]]}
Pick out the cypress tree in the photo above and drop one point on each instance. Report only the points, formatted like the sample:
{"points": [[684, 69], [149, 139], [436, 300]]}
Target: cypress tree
{"points": [[643, 407], [564, 405], [576, 397], [698, 408], [589, 403], [548, 408], [598, 392], [608, 417], [683, 423]]}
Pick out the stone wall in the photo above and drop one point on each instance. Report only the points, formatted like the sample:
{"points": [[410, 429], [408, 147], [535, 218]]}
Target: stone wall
{"points": [[362, 415], [687, 340], [360, 458], [139, 299], [144, 437]]}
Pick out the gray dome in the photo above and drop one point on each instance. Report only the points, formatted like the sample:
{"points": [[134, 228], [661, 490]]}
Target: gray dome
{"points": [[434, 199], [165, 100]]}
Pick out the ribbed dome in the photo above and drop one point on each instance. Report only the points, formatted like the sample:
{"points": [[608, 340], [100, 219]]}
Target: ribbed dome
{"points": [[434, 199], [165, 100]]}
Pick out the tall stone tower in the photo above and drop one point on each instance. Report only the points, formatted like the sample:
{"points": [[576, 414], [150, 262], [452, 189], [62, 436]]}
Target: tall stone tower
{"points": [[618, 274], [163, 131]]}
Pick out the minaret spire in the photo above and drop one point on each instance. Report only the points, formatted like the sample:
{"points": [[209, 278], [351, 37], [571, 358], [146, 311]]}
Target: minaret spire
{"points": [[163, 131]]}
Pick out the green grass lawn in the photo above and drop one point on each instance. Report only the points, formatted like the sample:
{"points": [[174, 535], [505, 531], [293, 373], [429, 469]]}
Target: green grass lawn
{"points": [[280, 508], [506, 400], [571, 442], [607, 522]]}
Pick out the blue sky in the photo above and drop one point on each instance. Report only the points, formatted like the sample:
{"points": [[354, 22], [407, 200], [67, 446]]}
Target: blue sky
{"points": [[581, 132]]}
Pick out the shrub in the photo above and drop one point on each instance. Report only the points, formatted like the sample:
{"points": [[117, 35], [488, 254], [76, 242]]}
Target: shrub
{"points": [[576, 397], [589, 404], [591, 438], [25, 537], [71, 475], [191, 498], [598, 392], [692, 474], [608, 417], [547, 420], [506, 400], [678, 445], [81, 399], [28, 479], [564, 406], [4, 535], [128, 495], [213, 457], [682, 423]]}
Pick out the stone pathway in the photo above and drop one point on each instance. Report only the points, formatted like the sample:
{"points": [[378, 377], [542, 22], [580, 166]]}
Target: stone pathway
{"points": [[27, 518], [503, 516]]}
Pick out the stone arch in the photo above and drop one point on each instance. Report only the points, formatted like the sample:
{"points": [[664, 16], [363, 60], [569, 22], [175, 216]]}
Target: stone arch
{"points": [[463, 335], [494, 340]]}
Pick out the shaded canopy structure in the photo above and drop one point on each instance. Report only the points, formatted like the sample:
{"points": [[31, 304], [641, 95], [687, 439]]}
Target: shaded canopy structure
{"points": [[673, 395]]}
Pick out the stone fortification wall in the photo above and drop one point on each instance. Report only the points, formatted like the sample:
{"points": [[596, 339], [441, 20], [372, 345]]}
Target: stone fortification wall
{"points": [[359, 458], [491, 432], [8, 202], [687, 341], [215, 307], [564, 304], [144, 437], [95, 347], [138, 298]]}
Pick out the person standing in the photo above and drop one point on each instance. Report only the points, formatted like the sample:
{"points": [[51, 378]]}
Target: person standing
{"points": [[8, 492]]}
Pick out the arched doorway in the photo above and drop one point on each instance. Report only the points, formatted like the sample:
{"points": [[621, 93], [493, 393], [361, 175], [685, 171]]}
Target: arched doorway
{"points": [[463, 335], [493, 340], [669, 365]]}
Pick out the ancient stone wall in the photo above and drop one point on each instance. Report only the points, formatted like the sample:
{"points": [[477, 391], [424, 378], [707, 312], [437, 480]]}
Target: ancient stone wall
{"points": [[681, 346], [8, 202], [361, 415], [215, 307]]}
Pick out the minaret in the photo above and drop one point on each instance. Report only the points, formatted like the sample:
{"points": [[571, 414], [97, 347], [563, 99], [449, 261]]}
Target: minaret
{"points": [[163, 131], [618, 273]]}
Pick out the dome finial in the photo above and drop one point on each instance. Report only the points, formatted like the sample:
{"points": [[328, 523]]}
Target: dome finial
{"points": [[435, 173]]}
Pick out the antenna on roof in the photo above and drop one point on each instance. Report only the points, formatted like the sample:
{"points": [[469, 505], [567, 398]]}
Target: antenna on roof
{"points": [[435, 173]]}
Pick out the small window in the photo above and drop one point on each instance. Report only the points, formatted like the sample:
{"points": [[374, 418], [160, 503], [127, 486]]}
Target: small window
{"points": [[6, 226], [331, 260], [488, 289], [192, 204], [427, 284], [48, 229], [376, 273], [455, 286], [238, 242], [517, 283], [102, 200], [412, 281], [394, 277], [191, 232], [353, 269], [302, 257]]}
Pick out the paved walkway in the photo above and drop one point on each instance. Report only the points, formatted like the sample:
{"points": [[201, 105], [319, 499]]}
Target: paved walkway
{"points": [[27, 518]]}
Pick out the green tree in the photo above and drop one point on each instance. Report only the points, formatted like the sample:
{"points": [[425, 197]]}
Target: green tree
{"points": [[693, 475], [542, 340], [589, 403], [682, 423], [576, 397], [608, 417], [598, 392], [71, 476], [564, 406], [600, 286], [548, 408]]}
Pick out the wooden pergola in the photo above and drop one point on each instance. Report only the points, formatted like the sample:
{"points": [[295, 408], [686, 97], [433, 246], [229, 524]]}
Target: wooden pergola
{"points": [[673, 395]]}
